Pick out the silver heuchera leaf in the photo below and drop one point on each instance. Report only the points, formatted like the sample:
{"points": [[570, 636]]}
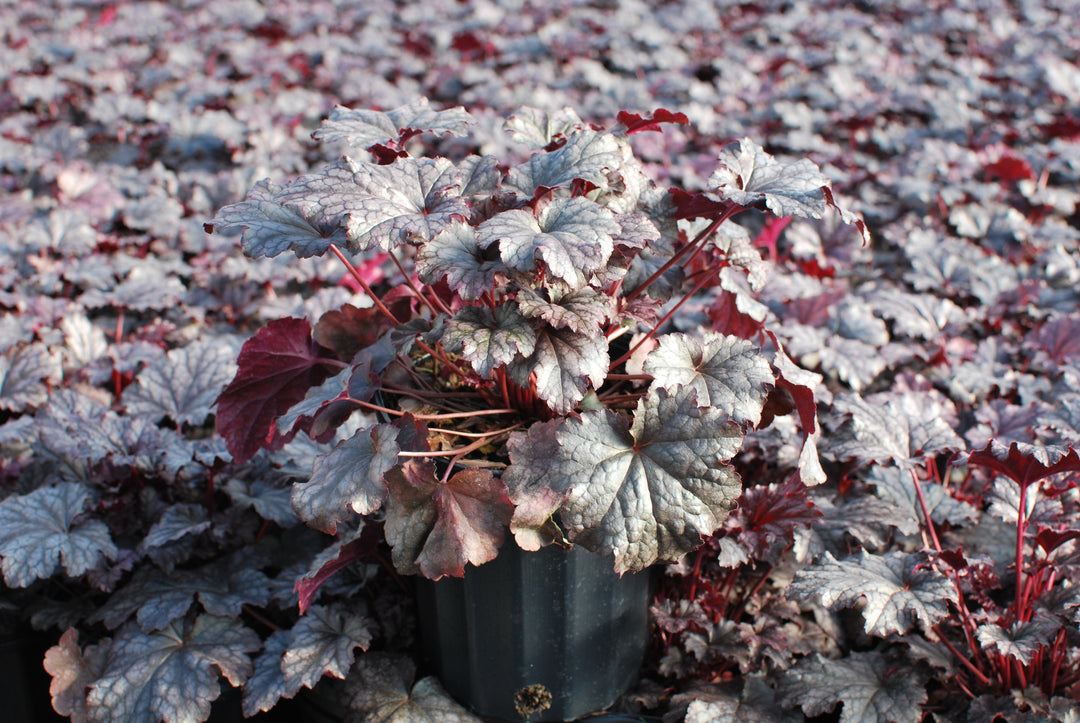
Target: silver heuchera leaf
{"points": [[538, 128], [573, 237], [158, 598], [726, 372], [365, 128], [904, 428], [564, 364], [489, 340], [323, 642], [350, 476], [173, 674], [272, 227], [184, 384], [176, 522], [872, 687], [748, 174], [584, 310], [1020, 640], [24, 376], [455, 255], [380, 689], [382, 205], [587, 155], [266, 686], [894, 590], [38, 532], [651, 491]]}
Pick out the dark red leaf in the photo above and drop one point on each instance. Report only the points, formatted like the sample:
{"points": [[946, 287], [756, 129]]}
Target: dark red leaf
{"points": [[770, 234], [696, 205], [1021, 463], [635, 123], [359, 549], [726, 318], [348, 330], [954, 558], [768, 515], [276, 368], [1050, 540], [1009, 169]]}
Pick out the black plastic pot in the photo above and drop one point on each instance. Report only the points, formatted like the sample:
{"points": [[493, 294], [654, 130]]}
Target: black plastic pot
{"points": [[530, 625]]}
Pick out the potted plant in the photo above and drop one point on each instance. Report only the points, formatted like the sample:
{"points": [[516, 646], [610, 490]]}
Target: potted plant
{"points": [[518, 369]]}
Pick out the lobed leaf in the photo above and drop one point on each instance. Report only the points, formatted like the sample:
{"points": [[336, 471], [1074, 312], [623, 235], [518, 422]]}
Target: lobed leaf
{"points": [[381, 691], [42, 530], [562, 367], [489, 340], [652, 490], [437, 527], [348, 477], [172, 674], [276, 367], [365, 128], [893, 590], [183, 384], [725, 372], [323, 642], [872, 688]]}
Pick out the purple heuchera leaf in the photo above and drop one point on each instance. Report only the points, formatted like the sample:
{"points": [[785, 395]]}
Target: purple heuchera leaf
{"points": [[380, 689], [872, 687], [490, 339], [894, 590], [437, 527], [648, 491], [904, 428], [455, 255], [276, 368], [272, 226], [748, 175], [725, 372], [1025, 463], [72, 671], [25, 375], [1020, 640], [572, 237], [39, 532], [383, 206], [562, 367], [536, 493], [587, 155], [583, 310], [173, 674], [323, 642], [349, 477], [184, 384], [365, 128]]}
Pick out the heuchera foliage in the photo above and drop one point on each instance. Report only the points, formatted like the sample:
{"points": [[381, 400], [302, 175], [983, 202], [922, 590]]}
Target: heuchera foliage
{"points": [[518, 309], [909, 554]]}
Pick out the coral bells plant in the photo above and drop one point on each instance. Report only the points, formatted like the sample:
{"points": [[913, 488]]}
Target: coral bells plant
{"points": [[518, 367]]}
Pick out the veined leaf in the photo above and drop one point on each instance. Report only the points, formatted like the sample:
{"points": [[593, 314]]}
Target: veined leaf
{"points": [[276, 368], [349, 477], [383, 206], [272, 227], [873, 688], [573, 237], [724, 371], [365, 128], [894, 590], [39, 531], [652, 490], [25, 373], [564, 364], [584, 310], [380, 686], [455, 254], [323, 642], [183, 384], [172, 674], [587, 155], [489, 340], [436, 527]]}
